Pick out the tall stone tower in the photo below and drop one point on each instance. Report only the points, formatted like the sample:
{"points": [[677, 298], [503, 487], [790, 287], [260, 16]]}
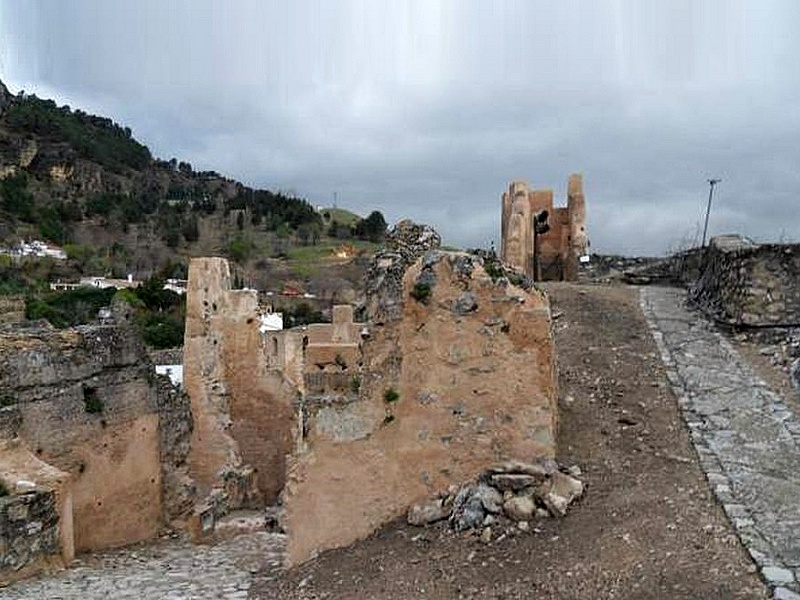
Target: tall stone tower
{"points": [[517, 238]]}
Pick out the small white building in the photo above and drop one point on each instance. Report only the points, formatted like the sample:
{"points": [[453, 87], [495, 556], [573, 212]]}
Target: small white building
{"points": [[39, 249], [271, 321]]}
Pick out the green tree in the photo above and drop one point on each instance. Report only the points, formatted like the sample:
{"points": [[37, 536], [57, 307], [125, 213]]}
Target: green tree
{"points": [[373, 228], [239, 250], [16, 199]]}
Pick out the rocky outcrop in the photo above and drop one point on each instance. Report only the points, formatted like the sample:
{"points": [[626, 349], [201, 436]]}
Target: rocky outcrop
{"points": [[457, 374]]}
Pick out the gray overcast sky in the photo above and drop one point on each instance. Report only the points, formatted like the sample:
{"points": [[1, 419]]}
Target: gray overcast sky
{"points": [[427, 109]]}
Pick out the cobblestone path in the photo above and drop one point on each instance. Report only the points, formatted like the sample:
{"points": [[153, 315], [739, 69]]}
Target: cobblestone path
{"points": [[165, 570], [747, 439]]}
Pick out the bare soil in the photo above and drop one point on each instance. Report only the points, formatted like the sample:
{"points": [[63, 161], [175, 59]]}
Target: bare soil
{"points": [[647, 527]]}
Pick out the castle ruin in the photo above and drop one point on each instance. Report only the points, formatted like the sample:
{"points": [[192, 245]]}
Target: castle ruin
{"points": [[557, 250], [348, 424], [344, 425]]}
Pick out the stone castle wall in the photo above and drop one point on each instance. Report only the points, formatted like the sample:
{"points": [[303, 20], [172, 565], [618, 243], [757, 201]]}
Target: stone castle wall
{"points": [[743, 283], [242, 412], [85, 403], [559, 248]]}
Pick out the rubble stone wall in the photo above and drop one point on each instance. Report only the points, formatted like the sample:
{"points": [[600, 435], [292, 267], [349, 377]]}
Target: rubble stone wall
{"points": [[743, 283], [452, 372]]}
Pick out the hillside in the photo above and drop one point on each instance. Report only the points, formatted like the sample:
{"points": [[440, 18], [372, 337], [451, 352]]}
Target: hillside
{"points": [[85, 183]]}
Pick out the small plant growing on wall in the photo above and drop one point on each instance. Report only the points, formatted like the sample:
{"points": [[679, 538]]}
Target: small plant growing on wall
{"points": [[355, 384], [421, 292], [390, 396], [91, 401]]}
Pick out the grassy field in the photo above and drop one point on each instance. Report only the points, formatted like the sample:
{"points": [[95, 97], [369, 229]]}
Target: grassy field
{"points": [[340, 215]]}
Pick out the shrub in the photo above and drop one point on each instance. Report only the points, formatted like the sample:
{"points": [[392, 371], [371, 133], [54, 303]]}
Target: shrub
{"points": [[92, 402], [390, 396], [421, 292]]}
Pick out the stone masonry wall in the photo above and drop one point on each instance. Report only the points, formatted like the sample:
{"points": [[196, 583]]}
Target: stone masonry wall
{"points": [[743, 283], [84, 401], [458, 373], [175, 436]]}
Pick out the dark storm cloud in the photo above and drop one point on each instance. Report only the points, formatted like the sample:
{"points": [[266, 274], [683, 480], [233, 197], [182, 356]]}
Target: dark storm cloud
{"points": [[429, 109]]}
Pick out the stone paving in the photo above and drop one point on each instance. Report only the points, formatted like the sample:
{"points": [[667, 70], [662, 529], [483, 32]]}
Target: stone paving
{"points": [[747, 440], [165, 570]]}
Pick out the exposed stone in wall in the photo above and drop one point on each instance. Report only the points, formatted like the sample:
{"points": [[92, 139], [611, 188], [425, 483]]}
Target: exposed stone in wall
{"points": [[458, 373], [175, 436], [405, 242], [35, 514], [5, 97], [743, 283]]}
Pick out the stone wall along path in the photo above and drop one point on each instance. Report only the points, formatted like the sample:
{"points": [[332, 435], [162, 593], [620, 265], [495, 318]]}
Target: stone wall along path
{"points": [[747, 440]]}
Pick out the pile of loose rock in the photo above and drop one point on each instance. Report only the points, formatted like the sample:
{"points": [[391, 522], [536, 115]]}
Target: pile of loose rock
{"points": [[510, 493]]}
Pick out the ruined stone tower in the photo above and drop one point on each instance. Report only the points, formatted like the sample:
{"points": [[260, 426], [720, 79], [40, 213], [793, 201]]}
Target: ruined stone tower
{"points": [[560, 248]]}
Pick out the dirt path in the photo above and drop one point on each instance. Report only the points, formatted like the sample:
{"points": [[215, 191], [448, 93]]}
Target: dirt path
{"points": [[647, 528]]}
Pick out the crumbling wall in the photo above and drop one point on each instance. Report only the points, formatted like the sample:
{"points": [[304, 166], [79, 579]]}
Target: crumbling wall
{"points": [[560, 247], [84, 401], [242, 411], [743, 283], [458, 373], [35, 514]]}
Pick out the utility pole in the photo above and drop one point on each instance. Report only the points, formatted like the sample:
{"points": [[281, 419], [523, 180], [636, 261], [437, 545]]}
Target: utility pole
{"points": [[711, 184]]}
